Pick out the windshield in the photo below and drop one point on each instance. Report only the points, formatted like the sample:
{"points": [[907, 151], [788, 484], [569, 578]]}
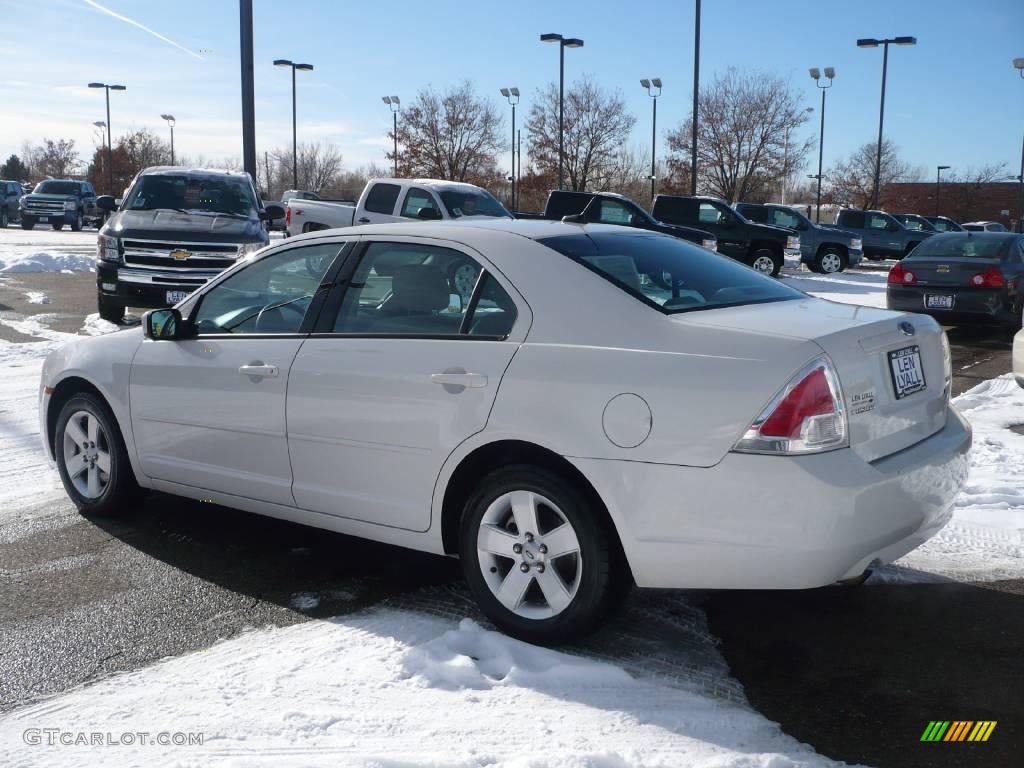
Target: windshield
{"points": [[471, 203], [963, 245], [192, 193], [669, 274], [58, 188]]}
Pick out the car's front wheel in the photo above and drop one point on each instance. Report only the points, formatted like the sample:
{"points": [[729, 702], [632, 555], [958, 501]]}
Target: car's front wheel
{"points": [[536, 556], [76, 225], [57, 225], [27, 222], [766, 261], [110, 310], [828, 261], [3, 218], [92, 458]]}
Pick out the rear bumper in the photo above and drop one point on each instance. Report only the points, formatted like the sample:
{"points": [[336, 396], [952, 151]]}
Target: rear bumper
{"points": [[986, 304], [144, 288], [765, 522]]}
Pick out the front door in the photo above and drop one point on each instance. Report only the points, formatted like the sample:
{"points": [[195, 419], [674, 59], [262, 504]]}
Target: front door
{"points": [[406, 371], [209, 411]]}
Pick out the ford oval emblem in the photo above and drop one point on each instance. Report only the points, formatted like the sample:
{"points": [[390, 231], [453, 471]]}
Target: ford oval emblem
{"points": [[906, 328]]}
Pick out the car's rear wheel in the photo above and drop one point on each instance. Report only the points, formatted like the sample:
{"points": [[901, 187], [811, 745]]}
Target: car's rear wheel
{"points": [[92, 458], [536, 556], [766, 261], [828, 261], [76, 225], [111, 310]]}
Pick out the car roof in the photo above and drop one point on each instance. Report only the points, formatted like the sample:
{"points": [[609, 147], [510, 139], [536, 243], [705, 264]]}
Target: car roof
{"points": [[168, 170]]}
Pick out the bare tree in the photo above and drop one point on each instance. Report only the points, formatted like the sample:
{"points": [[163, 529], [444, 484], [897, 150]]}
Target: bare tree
{"points": [[318, 167], [852, 180], [134, 151], [596, 128], [55, 158], [454, 135], [745, 142]]}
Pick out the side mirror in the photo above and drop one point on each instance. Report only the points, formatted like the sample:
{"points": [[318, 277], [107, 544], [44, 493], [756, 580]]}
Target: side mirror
{"points": [[429, 214], [272, 211], [106, 203], [162, 324]]}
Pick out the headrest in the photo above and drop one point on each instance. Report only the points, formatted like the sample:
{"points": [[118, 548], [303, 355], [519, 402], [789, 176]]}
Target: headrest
{"points": [[418, 288]]}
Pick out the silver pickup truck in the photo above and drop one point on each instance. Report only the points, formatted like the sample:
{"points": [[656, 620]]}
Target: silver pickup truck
{"points": [[387, 200]]}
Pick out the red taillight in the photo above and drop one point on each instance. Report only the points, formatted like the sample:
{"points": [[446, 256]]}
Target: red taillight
{"points": [[811, 397], [807, 416], [990, 278], [288, 216], [900, 275]]}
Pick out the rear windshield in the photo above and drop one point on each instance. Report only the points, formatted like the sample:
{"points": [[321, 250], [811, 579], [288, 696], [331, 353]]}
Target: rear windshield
{"points": [[50, 187], [669, 274], [963, 245]]}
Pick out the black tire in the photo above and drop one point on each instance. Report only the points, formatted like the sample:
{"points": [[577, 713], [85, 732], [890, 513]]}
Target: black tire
{"points": [[603, 579], [27, 223], [121, 493], [3, 218], [760, 256], [76, 225], [824, 262], [111, 310], [57, 226]]}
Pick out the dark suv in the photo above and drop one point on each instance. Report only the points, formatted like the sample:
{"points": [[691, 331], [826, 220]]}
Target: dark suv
{"points": [[757, 245], [175, 230], [58, 202], [10, 194]]}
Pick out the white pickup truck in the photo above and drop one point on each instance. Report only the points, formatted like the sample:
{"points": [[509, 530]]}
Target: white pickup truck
{"points": [[386, 200]]}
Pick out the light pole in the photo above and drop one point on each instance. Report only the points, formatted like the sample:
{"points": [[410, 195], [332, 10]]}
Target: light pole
{"points": [[830, 74], [512, 94], [870, 42], [938, 179], [696, 99], [519, 165], [170, 123], [110, 152], [394, 105], [652, 85], [563, 43], [1018, 64], [295, 141]]}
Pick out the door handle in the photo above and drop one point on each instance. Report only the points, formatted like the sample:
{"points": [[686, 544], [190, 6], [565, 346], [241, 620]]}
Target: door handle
{"points": [[258, 371], [363, 220], [463, 380]]}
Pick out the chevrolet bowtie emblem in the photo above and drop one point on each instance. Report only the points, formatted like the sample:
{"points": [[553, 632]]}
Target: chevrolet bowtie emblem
{"points": [[180, 254]]}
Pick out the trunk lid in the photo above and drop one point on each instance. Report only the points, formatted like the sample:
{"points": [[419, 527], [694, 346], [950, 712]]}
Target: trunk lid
{"points": [[870, 349], [951, 271]]}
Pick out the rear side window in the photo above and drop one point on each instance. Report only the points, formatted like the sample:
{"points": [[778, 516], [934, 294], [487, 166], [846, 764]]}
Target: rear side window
{"points": [[382, 198], [756, 213], [669, 274], [852, 219], [675, 210], [565, 204]]}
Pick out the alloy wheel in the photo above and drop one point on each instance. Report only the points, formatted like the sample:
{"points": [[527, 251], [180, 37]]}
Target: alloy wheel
{"points": [[831, 262], [529, 555], [87, 454], [764, 264]]}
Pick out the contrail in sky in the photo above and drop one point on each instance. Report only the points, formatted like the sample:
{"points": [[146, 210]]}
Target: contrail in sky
{"points": [[144, 28]]}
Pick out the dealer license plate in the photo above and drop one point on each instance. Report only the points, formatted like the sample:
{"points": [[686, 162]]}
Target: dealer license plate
{"points": [[938, 301], [44, 219], [173, 297], [907, 372]]}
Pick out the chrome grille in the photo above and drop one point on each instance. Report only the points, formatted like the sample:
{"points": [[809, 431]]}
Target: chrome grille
{"points": [[45, 206], [156, 254]]}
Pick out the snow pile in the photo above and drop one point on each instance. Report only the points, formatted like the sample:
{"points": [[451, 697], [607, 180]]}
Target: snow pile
{"points": [[985, 539], [44, 261], [37, 297], [850, 287], [394, 688]]}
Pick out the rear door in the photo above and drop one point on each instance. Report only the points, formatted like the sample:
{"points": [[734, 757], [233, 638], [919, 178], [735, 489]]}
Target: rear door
{"points": [[402, 373], [380, 204], [882, 235]]}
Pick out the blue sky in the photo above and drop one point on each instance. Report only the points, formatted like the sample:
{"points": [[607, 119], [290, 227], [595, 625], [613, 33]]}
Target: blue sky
{"points": [[954, 99]]}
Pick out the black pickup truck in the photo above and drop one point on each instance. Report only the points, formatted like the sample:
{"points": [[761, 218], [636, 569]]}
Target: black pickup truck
{"points": [[175, 230], [612, 208], [58, 202], [757, 245]]}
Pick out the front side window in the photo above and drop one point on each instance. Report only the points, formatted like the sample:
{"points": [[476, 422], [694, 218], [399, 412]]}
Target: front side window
{"points": [[194, 193], [669, 274], [271, 295], [782, 218], [382, 198], [614, 212], [710, 214], [406, 289], [417, 200], [877, 222]]}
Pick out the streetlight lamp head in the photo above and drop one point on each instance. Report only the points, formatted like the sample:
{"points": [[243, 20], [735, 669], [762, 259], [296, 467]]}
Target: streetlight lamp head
{"points": [[505, 92], [551, 37], [118, 88], [304, 67], [168, 118], [282, 63], [100, 124], [1018, 64], [656, 81], [830, 73], [573, 42], [906, 40], [386, 99], [515, 92], [394, 100], [645, 83], [97, 85], [867, 42], [943, 167], [815, 73]]}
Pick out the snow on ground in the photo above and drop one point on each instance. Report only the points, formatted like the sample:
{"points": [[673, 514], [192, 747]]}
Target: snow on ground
{"points": [[851, 287], [41, 250], [397, 689], [37, 297]]}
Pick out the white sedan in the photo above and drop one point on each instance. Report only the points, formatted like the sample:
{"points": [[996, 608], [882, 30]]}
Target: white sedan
{"points": [[602, 406]]}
